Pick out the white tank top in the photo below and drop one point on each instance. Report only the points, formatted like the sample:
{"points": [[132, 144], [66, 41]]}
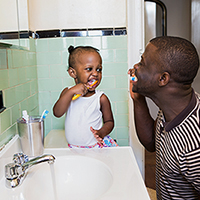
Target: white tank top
{"points": [[83, 113]]}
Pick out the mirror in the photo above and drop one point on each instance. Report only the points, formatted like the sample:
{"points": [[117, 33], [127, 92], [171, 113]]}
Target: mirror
{"points": [[155, 19], [14, 22]]}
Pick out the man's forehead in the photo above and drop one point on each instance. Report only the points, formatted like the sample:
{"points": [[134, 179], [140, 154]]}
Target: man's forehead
{"points": [[150, 47], [149, 50]]}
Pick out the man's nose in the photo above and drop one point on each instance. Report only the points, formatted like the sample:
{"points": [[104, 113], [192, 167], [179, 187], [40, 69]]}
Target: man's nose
{"points": [[133, 70]]}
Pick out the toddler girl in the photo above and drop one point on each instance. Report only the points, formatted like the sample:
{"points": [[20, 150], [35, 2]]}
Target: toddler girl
{"points": [[84, 106]]}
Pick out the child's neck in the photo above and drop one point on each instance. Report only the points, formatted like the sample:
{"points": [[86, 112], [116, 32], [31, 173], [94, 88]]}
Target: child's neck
{"points": [[89, 93]]}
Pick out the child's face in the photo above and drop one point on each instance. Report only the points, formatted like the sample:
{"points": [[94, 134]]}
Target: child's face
{"points": [[88, 68]]}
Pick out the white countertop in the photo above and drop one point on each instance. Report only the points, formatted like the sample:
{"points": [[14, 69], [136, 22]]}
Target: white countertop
{"points": [[55, 139]]}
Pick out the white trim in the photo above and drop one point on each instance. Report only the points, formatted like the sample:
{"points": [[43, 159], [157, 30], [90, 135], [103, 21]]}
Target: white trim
{"points": [[135, 32]]}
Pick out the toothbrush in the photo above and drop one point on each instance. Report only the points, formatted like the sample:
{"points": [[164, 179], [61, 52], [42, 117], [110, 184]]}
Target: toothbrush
{"points": [[44, 114], [78, 95], [133, 78], [25, 116]]}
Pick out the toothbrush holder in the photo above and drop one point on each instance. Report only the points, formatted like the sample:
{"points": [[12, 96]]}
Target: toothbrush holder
{"points": [[31, 135]]}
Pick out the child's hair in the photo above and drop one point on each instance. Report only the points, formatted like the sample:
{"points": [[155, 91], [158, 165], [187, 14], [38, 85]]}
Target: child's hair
{"points": [[74, 51]]}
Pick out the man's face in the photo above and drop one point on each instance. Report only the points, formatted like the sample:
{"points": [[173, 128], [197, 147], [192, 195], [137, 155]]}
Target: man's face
{"points": [[147, 72]]}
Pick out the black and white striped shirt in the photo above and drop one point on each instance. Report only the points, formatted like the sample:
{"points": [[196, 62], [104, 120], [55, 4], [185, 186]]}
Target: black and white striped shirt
{"points": [[178, 154]]}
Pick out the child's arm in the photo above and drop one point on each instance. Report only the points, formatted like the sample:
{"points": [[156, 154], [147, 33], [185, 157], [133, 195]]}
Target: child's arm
{"points": [[62, 105], [107, 119]]}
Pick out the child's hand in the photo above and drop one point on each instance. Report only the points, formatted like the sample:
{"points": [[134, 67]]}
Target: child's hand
{"points": [[96, 135], [80, 89]]}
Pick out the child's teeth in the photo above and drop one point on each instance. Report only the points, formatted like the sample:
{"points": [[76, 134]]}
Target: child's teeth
{"points": [[91, 82]]}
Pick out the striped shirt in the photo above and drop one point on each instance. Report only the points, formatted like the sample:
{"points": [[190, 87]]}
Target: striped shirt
{"points": [[178, 154]]}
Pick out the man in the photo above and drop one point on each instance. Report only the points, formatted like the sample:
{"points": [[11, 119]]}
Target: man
{"points": [[165, 74]]}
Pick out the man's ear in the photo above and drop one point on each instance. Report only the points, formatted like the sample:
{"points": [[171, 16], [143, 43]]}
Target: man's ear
{"points": [[164, 79], [72, 72]]}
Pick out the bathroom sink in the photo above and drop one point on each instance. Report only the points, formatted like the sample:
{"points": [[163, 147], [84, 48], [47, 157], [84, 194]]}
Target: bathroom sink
{"points": [[70, 177], [77, 174]]}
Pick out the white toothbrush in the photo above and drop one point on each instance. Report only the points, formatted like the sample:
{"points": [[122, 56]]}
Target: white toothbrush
{"points": [[44, 114], [25, 116]]}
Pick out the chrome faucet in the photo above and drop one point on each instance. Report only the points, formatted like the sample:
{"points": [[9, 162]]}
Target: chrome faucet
{"points": [[15, 172]]}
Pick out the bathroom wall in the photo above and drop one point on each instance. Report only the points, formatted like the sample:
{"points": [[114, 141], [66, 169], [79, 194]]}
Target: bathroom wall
{"points": [[195, 35], [8, 16], [18, 81], [14, 15], [76, 14], [52, 67]]}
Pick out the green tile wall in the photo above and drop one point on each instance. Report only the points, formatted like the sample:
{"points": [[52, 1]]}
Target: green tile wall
{"points": [[18, 81], [52, 75], [3, 60]]}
